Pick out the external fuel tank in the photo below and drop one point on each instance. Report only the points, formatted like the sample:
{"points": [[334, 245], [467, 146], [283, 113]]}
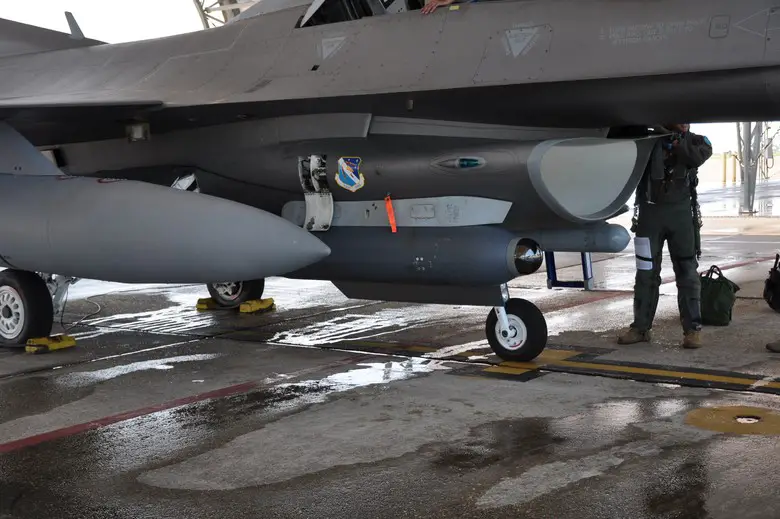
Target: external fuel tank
{"points": [[135, 232]]}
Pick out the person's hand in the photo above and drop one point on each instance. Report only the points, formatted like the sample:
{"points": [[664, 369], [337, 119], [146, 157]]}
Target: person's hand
{"points": [[433, 4]]}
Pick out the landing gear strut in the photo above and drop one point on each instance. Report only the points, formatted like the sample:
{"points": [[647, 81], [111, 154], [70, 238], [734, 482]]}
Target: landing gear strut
{"points": [[58, 288], [516, 331]]}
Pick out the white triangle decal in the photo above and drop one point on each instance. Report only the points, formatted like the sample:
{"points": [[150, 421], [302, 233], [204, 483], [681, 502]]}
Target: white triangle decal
{"points": [[519, 39], [755, 23], [331, 45]]}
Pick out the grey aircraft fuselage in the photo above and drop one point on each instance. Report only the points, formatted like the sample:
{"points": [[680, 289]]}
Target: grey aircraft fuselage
{"points": [[548, 63], [486, 122]]}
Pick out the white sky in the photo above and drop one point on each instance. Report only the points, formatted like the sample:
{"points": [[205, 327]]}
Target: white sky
{"points": [[130, 20], [112, 21]]}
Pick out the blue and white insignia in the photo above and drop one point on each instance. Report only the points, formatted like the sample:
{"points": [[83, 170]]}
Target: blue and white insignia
{"points": [[349, 176], [707, 141]]}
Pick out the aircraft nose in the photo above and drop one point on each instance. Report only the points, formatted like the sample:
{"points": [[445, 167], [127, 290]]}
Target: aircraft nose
{"points": [[266, 245], [310, 249]]}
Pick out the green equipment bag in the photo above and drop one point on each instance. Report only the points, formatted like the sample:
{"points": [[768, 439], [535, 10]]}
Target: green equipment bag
{"points": [[772, 286], [718, 295]]}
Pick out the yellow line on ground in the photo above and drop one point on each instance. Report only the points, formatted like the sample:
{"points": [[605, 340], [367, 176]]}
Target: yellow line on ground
{"points": [[557, 358], [658, 372], [506, 370], [547, 358]]}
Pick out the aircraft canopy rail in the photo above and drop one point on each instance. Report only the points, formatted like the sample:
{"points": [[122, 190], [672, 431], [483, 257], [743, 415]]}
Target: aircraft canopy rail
{"points": [[322, 12]]}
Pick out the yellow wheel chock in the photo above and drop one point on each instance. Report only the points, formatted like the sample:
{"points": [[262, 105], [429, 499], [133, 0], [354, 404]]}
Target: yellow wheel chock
{"points": [[207, 304], [249, 307], [257, 305], [49, 344]]}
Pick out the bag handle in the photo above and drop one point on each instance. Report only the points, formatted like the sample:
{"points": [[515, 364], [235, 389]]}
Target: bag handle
{"points": [[713, 269]]}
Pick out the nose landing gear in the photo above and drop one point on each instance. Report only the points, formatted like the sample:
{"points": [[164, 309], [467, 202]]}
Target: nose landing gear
{"points": [[516, 331]]}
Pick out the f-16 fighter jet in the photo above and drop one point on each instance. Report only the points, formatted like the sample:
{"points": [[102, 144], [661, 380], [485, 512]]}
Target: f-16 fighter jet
{"points": [[424, 157]]}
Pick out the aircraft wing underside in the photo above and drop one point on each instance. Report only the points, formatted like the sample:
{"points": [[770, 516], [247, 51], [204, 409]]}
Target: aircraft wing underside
{"points": [[59, 119], [598, 103], [44, 107]]}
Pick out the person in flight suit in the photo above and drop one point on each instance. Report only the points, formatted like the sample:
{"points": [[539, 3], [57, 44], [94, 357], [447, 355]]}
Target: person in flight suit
{"points": [[667, 213]]}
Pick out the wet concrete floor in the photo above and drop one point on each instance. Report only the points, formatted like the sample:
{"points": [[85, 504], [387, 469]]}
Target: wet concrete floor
{"points": [[728, 200], [328, 407]]}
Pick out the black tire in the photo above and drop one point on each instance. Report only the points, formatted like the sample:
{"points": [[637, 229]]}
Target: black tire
{"points": [[31, 291], [536, 330], [244, 291]]}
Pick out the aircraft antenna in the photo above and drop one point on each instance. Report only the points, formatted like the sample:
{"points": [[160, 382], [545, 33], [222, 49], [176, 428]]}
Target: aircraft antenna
{"points": [[214, 13]]}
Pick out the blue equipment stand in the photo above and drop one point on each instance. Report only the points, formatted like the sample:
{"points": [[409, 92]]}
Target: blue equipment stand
{"points": [[552, 274]]}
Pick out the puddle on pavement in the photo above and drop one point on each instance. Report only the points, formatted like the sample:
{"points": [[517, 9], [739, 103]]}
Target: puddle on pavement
{"points": [[189, 429], [177, 319], [183, 317], [545, 465], [173, 310], [300, 294], [363, 326], [87, 378], [514, 442], [502, 442], [679, 490], [548, 456], [290, 396]]}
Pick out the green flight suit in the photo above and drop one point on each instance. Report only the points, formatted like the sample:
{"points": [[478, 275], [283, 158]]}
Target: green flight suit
{"points": [[666, 215]]}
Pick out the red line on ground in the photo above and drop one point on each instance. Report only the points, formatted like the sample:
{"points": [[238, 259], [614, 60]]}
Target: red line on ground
{"points": [[128, 415], [248, 386], [598, 296], [745, 263]]}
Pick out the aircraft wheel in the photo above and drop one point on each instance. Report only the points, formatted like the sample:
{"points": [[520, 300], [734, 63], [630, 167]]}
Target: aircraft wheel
{"points": [[528, 332], [26, 309], [231, 295]]}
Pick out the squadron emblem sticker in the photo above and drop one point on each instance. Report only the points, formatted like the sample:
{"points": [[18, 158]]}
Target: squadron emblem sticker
{"points": [[349, 176]]}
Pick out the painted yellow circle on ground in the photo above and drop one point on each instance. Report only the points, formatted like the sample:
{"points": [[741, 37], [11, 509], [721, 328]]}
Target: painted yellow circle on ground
{"points": [[736, 419]]}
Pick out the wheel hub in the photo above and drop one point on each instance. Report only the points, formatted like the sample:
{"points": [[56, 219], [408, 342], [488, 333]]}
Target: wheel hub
{"points": [[11, 313], [229, 291], [515, 338]]}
